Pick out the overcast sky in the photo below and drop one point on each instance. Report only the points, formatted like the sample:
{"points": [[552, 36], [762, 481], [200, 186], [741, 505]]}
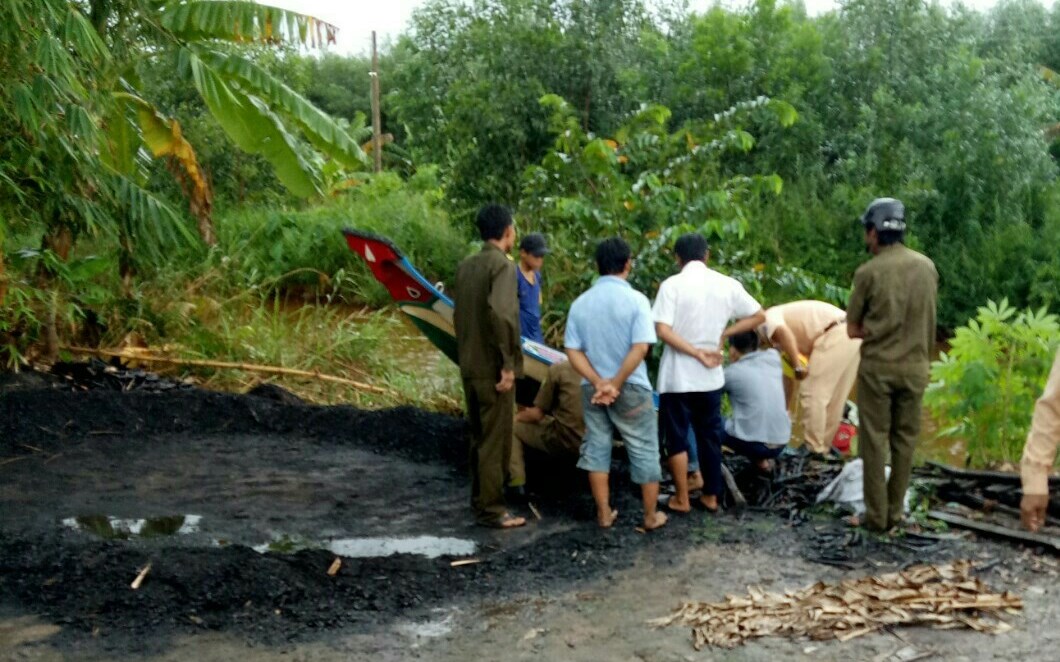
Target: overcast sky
{"points": [[357, 18]]}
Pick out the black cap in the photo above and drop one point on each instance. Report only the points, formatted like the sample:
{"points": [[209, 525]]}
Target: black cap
{"points": [[534, 244], [884, 214]]}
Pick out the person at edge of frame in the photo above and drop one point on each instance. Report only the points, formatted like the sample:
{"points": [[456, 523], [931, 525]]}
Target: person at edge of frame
{"points": [[1039, 453]]}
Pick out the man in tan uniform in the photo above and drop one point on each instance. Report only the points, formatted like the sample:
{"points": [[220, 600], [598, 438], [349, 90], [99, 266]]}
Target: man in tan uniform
{"points": [[892, 309], [1040, 452], [816, 330], [486, 317], [554, 424]]}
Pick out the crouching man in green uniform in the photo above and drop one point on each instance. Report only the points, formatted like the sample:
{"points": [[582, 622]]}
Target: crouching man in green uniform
{"points": [[486, 318], [892, 308]]}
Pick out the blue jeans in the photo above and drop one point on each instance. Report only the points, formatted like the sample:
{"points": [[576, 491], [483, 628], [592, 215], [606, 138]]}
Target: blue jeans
{"points": [[633, 415], [693, 452], [752, 450], [683, 414]]}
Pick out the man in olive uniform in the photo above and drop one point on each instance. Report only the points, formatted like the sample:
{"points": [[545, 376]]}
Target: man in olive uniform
{"points": [[892, 309], [554, 425], [486, 317]]}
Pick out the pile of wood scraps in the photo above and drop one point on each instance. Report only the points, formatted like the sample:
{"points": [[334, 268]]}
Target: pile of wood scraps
{"points": [[987, 503], [791, 490], [943, 597]]}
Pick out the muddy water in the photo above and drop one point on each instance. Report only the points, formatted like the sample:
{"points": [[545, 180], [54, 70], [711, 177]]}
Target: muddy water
{"points": [[117, 528], [430, 547]]}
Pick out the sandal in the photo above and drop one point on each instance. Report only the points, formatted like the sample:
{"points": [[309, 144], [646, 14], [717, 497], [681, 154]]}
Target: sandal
{"points": [[609, 522], [660, 522], [704, 506], [505, 521]]}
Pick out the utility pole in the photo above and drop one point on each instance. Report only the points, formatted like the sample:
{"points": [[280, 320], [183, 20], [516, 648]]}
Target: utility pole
{"points": [[377, 138]]}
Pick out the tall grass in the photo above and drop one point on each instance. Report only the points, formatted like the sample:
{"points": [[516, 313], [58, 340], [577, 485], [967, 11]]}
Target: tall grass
{"points": [[282, 289], [304, 251]]}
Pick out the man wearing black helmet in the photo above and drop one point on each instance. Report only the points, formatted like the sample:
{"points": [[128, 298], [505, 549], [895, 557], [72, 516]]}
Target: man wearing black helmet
{"points": [[892, 309]]}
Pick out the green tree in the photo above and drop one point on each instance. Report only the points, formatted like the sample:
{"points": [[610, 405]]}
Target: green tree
{"points": [[649, 184], [472, 72]]}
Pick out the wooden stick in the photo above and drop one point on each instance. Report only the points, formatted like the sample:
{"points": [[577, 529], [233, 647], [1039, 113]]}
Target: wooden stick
{"points": [[227, 365], [377, 142], [739, 501], [140, 577], [335, 565], [1000, 531]]}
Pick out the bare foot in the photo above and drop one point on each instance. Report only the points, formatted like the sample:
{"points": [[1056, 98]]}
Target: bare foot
{"points": [[678, 506], [655, 522], [710, 502], [607, 521], [695, 481], [765, 466], [853, 520]]}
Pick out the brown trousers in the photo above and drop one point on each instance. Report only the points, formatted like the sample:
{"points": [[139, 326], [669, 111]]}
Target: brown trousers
{"points": [[490, 417], [889, 412], [541, 436]]}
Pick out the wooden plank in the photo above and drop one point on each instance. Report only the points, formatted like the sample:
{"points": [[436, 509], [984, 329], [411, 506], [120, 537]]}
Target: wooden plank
{"points": [[984, 476], [1048, 542]]}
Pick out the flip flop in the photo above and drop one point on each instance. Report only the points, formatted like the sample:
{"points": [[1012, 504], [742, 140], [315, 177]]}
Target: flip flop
{"points": [[658, 524], [713, 511], [676, 510], [505, 521], [610, 521]]}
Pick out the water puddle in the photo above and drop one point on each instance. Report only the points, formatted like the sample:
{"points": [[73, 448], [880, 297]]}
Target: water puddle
{"points": [[430, 546], [116, 528], [430, 629]]}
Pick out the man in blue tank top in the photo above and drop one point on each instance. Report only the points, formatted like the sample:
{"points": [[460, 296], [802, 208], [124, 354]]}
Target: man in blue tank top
{"points": [[532, 252]]}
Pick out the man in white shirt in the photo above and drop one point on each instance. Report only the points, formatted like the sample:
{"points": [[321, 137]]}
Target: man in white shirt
{"points": [[691, 312]]}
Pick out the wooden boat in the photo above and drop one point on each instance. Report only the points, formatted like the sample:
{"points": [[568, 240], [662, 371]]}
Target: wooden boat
{"points": [[427, 306]]}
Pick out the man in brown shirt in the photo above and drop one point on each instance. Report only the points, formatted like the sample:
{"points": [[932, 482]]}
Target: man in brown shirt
{"points": [[892, 309], [486, 317], [1040, 452], [554, 424]]}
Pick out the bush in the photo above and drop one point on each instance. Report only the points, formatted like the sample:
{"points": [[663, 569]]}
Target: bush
{"points": [[984, 388], [304, 251]]}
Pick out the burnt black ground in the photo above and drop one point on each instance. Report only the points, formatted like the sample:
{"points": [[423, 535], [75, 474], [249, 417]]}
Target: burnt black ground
{"points": [[256, 468]]}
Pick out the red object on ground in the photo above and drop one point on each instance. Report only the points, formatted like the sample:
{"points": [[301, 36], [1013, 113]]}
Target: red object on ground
{"points": [[843, 435]]}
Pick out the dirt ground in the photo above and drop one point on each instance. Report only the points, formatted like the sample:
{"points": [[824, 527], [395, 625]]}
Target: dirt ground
{"points": [[95, 485]]}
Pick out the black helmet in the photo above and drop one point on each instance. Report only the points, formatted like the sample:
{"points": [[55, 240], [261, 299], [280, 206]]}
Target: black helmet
{"points": [[884, 214]]}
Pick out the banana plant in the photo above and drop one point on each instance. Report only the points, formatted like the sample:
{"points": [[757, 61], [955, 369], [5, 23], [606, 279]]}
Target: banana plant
{"points": [[77, 132], [257, 111], [86, 53]]}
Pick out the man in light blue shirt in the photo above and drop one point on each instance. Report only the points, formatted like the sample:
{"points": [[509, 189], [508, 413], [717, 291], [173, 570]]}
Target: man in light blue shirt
{"points": [[759, 427], [609, 332]]}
